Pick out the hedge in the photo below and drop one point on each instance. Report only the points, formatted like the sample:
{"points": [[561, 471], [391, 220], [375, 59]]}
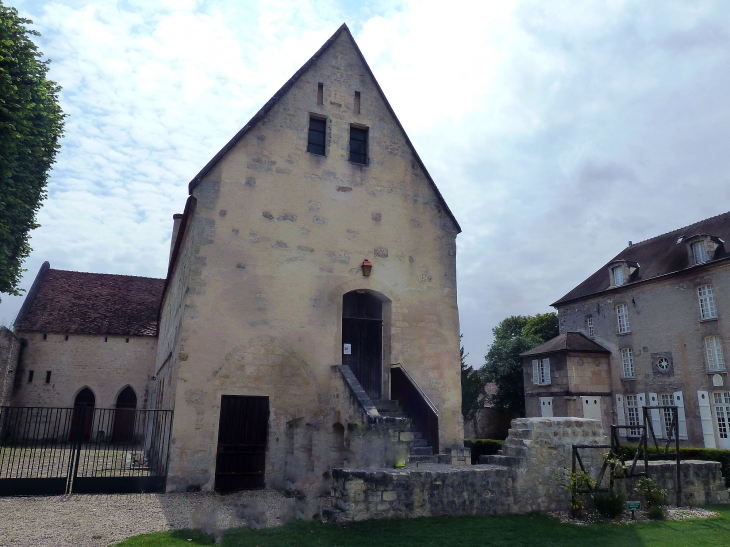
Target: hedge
{"points": [[482, 447], [687, 453]]}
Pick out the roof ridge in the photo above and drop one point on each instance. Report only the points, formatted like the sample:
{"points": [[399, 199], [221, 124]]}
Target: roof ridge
{"points": [[287, 85], [676, 230], [106, 274]]}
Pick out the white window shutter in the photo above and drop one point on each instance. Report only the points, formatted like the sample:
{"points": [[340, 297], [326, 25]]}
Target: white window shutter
{"points": [[546, 369], [656, 421], [620, 413], [640, 404], [708, 432], [535, 371], [679, 401]]}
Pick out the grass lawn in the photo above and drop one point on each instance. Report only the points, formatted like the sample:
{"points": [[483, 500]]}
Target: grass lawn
{"points": [[504, 531]]}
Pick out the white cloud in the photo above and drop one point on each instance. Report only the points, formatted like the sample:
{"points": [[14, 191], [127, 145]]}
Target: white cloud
{"points": [[556, 131]]}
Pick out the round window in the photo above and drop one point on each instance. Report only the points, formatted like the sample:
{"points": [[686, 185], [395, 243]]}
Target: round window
{"points": [[662, 364]]}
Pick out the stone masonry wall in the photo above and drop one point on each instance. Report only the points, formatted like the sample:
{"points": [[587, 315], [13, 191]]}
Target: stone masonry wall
{"points": [[279, 236], [105, 364], [530, 476]]}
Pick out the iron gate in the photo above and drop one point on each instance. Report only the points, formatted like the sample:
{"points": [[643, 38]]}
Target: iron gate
{"points": [[85, 450]]}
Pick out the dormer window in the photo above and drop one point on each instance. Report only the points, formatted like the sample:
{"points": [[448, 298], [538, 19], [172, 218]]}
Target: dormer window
{"points": [[702, 248], [621, 272]]}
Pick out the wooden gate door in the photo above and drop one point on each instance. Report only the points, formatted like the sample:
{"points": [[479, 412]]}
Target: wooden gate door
{"points": [[242, 435], [362, 340]]}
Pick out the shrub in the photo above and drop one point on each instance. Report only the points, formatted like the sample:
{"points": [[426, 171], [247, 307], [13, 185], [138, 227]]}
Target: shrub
{"points": [[482, 447], [609, 504], [655, 497]]}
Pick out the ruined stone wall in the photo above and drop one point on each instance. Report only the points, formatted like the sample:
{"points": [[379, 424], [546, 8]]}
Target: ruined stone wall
{"points": [[104, 364], [702, 482], [530, 476], [664, 317], [9, 349], [286, 233]]}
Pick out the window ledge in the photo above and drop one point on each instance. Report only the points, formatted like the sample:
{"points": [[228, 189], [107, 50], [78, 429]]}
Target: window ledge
{"points": [[631, 378], [719, 371], [623, 333], [709, 319]]}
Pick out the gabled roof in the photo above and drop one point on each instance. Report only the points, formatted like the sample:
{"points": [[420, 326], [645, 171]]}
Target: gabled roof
{"points": [[568, 341], [659, 256], [282, 91], [68, 302]]}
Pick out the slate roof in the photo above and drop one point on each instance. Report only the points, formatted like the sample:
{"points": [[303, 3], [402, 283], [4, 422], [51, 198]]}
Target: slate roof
{"points": [[68, 302], [282, 91], [568, 341], [658, 256]]}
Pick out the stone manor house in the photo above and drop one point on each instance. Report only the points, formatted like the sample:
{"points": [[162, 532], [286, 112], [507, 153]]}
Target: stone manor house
{"points": [[647, 329], [309, 305]]}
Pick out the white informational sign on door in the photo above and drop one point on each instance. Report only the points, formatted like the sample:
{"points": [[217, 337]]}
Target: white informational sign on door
{"points": [[347, 349]]}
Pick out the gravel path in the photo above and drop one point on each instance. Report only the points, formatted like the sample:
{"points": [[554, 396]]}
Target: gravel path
{"points": [[101, 520]]}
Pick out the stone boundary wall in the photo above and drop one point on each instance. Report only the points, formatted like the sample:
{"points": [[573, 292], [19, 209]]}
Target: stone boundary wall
{"points": [[530, 475], [702, 482]]}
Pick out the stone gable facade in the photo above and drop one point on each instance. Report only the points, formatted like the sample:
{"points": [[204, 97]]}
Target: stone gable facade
{"points": [[272, 238]]}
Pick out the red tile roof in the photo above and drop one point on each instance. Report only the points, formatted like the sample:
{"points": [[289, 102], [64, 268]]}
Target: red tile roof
{"points": [[88, 303]]}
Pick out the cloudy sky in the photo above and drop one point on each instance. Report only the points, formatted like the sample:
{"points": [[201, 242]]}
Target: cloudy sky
{"points": [[557, 131]]}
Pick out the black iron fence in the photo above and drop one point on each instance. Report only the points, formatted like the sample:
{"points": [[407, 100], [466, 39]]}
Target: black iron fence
{"points": [[83, 450]]}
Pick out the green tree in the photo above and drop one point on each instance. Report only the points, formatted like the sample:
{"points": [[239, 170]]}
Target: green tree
{"points": [[503, 364], [472, 385], [31, 124]]}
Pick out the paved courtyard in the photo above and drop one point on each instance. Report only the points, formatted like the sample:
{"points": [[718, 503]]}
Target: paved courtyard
{"points": [[101, 520]]}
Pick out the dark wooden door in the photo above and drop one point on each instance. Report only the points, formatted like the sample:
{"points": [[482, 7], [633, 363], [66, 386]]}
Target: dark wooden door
{"points": [[124, 416], [242, 435], [362, 329], [83, 416]]}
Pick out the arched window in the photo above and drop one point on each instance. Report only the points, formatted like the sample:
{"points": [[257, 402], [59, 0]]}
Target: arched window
{"points": [[125, 416], [83, 415]]}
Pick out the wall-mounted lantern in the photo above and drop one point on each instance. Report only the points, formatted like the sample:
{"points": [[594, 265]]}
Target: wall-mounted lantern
{"points": [[366, 267]]}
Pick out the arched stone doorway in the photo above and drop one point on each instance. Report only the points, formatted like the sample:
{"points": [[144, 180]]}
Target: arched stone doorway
{"points": [[362, 339], [83, 415], [124, 416]]}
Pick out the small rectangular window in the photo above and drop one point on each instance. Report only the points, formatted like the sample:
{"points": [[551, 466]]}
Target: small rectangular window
{"points": [[320, 93], [30, 376], [627, 363], [48, 376], [358, 145], [357, 102], [715, 357], [707, 302], [45, 336], [541, 372], [622, 314], [589, 324], [317, 131]]}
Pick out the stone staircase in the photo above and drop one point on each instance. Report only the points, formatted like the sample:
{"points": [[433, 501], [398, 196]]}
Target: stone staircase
{"points": [[421, 452]]}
